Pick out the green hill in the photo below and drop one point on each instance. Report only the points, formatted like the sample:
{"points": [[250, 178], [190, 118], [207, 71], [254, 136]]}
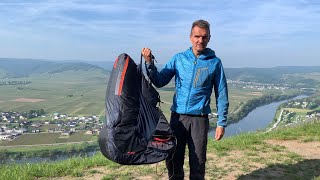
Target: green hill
{"points": [[74, 88], [17, 68], [297, 76]]}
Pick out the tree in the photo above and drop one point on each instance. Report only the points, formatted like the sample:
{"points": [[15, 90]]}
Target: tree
{"points": [[41, 112]]}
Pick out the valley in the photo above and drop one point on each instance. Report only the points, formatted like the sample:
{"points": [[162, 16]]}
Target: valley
{"points": [[77, 91]]}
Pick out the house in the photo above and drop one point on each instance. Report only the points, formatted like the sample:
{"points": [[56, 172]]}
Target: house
{"points": [[4, 118], [66, 133], [36, 125], [35, 131], [51, 130], [93, 132], [6, 137], [8, 131], [20, 130]]}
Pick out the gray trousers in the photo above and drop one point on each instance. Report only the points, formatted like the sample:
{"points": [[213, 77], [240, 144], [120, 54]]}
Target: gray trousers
{"points": [[189, 130]]}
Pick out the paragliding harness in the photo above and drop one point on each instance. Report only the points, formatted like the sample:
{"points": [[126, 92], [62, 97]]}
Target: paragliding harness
{"points": [[135, 130]]}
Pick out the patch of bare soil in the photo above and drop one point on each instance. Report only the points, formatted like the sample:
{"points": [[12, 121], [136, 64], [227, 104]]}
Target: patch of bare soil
{"points": [[32, 100], [256, 93], [236, 163], [273, 160], [308, 150], [98, 173]]}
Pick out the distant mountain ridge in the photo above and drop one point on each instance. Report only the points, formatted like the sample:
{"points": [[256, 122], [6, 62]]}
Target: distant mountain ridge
{"points": [[292, 75], [303, 76], [14, 68], [274, 72]]}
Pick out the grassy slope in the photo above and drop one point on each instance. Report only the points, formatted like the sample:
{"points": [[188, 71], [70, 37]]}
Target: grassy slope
{"points": [[245, 156]]}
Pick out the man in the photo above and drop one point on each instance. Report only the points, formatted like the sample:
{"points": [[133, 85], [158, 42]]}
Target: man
{"points": [[197, 71]]}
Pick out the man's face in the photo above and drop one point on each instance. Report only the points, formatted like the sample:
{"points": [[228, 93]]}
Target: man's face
{"points": [[199, 39]]}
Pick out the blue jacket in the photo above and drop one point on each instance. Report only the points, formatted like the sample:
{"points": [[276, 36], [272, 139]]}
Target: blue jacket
{"points": [[194, 80]]}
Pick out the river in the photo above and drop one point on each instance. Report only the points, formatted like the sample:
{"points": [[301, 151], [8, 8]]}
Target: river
{"points": [[258, 119]]}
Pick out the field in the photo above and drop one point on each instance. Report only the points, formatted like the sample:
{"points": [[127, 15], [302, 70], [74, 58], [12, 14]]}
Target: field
{"points": [[48, 138], [73, 92]]}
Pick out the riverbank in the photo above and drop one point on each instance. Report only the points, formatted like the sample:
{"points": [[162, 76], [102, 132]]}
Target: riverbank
{"points": [[247, 156], [257, 120], [245, 108]]}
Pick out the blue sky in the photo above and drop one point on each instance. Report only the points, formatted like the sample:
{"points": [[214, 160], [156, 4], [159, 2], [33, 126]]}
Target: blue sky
{"points": [[244, 33]]}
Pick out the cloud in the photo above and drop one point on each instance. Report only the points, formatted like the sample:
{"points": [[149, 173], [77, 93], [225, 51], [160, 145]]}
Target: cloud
{"points": [[95, 25]]}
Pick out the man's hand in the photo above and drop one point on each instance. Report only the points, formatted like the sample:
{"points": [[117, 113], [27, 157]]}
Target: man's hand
{"points": [[146, 53], [219, 133]]}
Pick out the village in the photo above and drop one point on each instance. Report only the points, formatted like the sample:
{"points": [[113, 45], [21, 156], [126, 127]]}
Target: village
{"points": [[14, 124], [308, 111], [256, 85]]}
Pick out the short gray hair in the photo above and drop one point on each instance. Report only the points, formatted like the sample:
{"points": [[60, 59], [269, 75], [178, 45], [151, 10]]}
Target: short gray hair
{"points": [[201, 24]]}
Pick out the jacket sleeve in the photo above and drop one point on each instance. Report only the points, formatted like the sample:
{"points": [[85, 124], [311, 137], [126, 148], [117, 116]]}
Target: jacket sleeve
{"points": [[221, 94], [162, 78]]}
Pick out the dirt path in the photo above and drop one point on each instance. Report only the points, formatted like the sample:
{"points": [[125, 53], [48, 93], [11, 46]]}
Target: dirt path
{"points": [[308, 150]]}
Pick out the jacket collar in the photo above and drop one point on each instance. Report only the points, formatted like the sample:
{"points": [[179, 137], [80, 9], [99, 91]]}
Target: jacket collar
{"points": [[207, 54]]}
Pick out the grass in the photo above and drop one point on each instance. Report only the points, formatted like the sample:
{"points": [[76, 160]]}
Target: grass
{"points": [[309, 131], [299, 111], [245, 153], [74, 167]]}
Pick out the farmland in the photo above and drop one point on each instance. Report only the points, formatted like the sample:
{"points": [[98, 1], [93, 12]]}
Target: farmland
{"points": [[71, 92]]}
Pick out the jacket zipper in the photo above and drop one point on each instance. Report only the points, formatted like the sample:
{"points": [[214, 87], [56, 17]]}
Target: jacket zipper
{"points": [[196, 78], [191, 83]]}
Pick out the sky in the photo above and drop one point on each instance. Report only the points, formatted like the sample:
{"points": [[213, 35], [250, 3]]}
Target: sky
{"points": [[244, 33]]}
